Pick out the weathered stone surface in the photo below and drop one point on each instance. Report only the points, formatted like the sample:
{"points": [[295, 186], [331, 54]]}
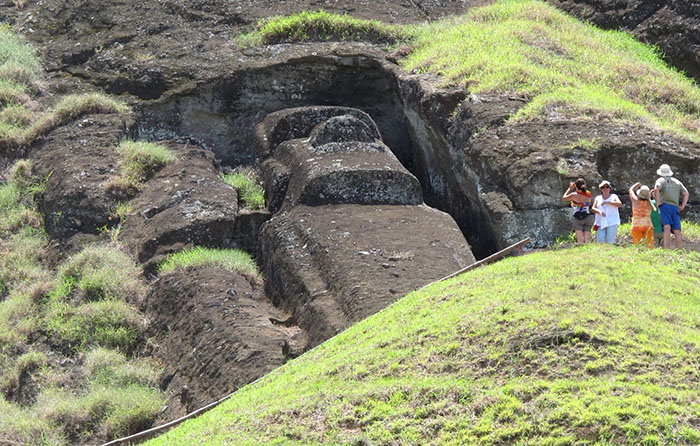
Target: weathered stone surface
{"points": [[79, 159], [221, 329], [370, 174], [299, 122], [186, 204], [340, 129], [334, 155], [352, 234], [334, 265]]}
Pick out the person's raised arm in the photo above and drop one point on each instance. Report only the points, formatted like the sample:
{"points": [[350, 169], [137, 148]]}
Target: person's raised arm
{"points": [[633, 193], [570, 192]]}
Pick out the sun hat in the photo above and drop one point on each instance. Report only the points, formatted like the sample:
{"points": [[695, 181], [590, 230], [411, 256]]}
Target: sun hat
{"points": [[643, 192], [665, 171], [604, 183]]}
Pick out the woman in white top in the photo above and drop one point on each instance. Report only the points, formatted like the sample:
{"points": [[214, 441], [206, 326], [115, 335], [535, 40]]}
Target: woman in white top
{"points": [[607, 218]]}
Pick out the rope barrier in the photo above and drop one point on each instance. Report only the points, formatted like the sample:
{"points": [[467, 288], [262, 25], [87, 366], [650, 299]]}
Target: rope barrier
{"points": [[142, 435]]}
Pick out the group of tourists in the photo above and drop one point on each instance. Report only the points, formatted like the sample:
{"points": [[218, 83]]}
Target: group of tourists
{"points": [[655, 212]]}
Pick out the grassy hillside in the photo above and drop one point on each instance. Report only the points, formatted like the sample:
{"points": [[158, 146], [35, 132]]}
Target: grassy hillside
{"points": [[563, 67], [70, 336], [595, 345]]}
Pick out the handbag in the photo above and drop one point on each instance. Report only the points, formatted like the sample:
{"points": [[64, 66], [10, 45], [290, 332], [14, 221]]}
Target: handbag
{"points": [[581, 215]]}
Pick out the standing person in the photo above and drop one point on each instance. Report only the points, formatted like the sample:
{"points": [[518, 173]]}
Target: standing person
{"points": [[580, 199], [668, 192], [656, 221], [606, 207], [642, 207]]}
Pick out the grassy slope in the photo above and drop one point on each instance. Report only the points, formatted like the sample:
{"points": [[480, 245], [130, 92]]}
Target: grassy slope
{"points": [[544, 349], [80, 311], [563, 67]]}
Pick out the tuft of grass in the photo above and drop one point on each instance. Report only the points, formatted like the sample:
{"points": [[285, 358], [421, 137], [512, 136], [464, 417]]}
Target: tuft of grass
{"points": [[107, 323], [106, 366], [691, 231], [20, 120], [319, 26], [141, 159], [18, 60], [566, 68], [31, 361], [80, 311], [90, 303], [250, 193], [117, 410], [233, 260], [101, 272], [525, 351], [19, 425]]}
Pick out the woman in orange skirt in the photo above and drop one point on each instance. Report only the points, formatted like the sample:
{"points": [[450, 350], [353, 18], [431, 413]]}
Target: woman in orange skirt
{"points": [[642, 228]]}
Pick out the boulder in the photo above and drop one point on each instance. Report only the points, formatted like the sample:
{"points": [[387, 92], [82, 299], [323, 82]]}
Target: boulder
{"points": [[78, 160]]}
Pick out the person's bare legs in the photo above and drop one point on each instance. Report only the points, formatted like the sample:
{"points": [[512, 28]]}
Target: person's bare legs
{"points": [[678, 235], [579, 236], [667, 236], [586, 236]]}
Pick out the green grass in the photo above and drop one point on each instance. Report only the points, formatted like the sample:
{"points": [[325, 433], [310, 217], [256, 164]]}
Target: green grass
{"points": [[691, 231], [250, 193], [319, 26], [18, 60], [561, 66], [21, 122], [231, 259], [118, 410], [527, 351], [85, 312], [93, 301], [141, 159], [81, 310]]}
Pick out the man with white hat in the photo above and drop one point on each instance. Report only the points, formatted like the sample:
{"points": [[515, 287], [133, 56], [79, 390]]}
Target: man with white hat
{"points": [[668, 192]]}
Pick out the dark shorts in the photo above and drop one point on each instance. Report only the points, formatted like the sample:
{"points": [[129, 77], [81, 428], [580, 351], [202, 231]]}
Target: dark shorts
{"points": [[670, 215], [584, 225]]}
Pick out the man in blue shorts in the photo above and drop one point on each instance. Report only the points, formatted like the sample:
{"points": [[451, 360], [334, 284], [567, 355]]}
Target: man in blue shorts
{"points": [[668, 193]]}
